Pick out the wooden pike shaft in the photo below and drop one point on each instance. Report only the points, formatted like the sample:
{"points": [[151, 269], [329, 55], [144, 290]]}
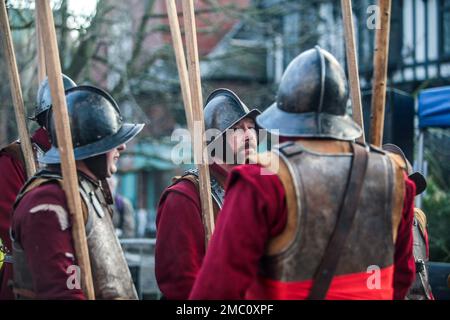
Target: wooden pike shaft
{"points": [[16, 92], [192, 97], [197, 116], [181, 61], [380, 64], [68, 166], [352, 63], [40, 52]]}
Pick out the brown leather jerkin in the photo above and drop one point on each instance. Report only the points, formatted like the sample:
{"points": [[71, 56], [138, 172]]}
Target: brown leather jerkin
{"points": [[327, 268], [295, 254]]}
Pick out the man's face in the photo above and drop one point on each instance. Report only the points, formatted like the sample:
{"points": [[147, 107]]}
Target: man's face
{"points": [[243, 142], [112, 157]]}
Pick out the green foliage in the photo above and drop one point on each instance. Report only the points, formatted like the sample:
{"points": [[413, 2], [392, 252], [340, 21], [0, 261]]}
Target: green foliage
{"points": [[436, 205]]}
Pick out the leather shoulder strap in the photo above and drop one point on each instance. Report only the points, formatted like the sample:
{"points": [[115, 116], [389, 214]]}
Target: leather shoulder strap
{"points": [[32, 184], [192, 177], [189, 175], [14, 150], [38, 181], [327, 268], [421, 219]]}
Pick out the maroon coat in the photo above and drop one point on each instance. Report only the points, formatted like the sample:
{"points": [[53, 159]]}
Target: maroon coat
{"points": [[13, 176], [180, 238], [46, 237], [254, 211]]}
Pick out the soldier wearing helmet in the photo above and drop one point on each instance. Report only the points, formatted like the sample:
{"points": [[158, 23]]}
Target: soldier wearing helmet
{"points": [[180, 238], [44, 100], [332, 221], [421, 288], [13, 176], [42, 244]]}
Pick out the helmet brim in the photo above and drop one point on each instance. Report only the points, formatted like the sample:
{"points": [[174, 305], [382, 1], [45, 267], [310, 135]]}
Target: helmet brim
{"points": [[127, 132], [36, 115], [308, 125], [418, 178]]}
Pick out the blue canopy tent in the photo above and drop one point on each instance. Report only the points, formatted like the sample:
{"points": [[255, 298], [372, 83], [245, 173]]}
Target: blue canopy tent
{"points": [[433, 112], [434, 108]]}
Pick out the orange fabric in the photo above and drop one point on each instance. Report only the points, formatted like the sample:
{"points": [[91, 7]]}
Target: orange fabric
{"points": [[343, 287]]}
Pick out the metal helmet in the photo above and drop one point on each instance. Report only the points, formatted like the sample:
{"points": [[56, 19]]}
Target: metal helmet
{"points": [[224, 109], [418, 179], [44, 97], [96, 124], [311, 100]]}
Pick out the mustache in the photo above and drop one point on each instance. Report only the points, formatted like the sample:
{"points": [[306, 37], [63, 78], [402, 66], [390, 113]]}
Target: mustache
{"points": [[249, 144]]}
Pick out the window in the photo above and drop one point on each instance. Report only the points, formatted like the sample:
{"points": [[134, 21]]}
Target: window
{"points": [[445, 27]]}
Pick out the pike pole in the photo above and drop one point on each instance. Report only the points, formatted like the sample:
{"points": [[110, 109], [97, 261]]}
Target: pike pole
{"points": [[40, 51], [181, 61], [192, 96], [352, 63], [380, 64], [69, 173]]}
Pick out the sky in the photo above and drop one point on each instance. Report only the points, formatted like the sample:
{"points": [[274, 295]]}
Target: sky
{"points": [[81, 8]]}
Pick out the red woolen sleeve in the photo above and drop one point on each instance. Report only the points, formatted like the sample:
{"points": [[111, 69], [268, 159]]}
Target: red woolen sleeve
{"points": [[254, 211], [12, 178], [405, 269], [180, 240], [45, 234]]}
